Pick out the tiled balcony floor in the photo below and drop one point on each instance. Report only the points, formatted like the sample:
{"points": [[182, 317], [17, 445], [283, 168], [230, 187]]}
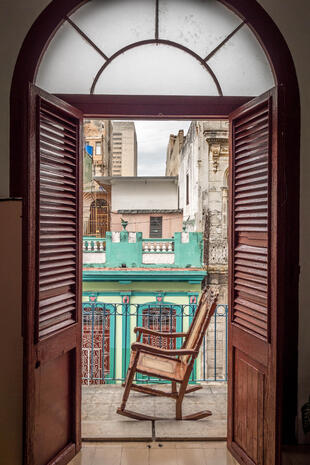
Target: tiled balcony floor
{"points": [[154, 453], [101, 422]]}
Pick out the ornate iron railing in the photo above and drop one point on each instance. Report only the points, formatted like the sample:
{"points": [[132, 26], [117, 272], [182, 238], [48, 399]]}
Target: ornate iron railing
{"points": [[107, 334]]}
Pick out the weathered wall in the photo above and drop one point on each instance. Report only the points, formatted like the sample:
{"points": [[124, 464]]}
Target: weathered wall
{"points": [[99, 132], [189, 173], [173, 153], [87, 169], [204, 158], [205, 153]]}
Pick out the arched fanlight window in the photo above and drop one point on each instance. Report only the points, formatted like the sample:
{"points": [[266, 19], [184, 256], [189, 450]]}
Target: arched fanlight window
{"points": [[159, 47]]}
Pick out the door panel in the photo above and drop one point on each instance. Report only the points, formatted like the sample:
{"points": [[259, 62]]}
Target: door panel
{"points": [[253, 433], [53, 295], [53, 407], [248, 401]]}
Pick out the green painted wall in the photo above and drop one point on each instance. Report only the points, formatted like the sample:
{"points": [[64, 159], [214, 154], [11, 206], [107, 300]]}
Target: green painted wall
{"points": [[189, 253], [123, 252]]}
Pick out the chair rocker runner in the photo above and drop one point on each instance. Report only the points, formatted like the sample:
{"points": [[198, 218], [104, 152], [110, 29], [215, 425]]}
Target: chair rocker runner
{"points": [[174, 365]]}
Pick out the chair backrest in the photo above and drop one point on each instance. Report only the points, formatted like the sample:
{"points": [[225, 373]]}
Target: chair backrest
{"points": [[200, 323]]}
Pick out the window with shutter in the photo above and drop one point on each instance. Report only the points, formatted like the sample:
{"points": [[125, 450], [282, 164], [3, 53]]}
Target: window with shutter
{"points": [[156, 226]]}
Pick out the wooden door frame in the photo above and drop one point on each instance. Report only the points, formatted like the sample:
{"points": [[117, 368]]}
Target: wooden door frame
{"points": [[179, 107]]}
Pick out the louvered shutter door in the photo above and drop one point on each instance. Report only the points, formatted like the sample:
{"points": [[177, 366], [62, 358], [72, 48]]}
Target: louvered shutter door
{"points": [[253, 292], [251, 145], [52, 300], [58, 219]]}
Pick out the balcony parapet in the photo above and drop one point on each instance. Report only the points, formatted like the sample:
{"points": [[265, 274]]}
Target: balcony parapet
{"points": [[129, 250]]}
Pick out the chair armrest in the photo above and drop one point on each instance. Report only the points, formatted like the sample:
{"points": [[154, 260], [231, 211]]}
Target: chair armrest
{"points": [[140, 347], [153, 332]]}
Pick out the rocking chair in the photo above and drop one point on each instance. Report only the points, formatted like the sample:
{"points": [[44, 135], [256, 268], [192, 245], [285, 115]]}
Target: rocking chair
{"points": [[174, 365]]}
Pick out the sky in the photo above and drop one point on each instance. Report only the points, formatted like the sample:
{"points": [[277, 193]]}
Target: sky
{"points": [[153, 138]]}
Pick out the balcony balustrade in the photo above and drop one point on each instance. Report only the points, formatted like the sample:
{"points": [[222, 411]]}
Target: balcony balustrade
{"points": [[158, 246], [91, 245]]}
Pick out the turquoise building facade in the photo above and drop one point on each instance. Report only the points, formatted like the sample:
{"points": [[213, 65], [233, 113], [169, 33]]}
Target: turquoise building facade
{"points": [[129, 281]]}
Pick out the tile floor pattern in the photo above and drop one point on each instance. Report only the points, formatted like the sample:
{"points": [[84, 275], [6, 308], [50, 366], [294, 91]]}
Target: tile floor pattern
{"points": [[100, 421], [154, 453]]}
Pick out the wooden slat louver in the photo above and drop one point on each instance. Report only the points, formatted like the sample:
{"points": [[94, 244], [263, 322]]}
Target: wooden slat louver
{"points": [[251, 147], [58, 219]]}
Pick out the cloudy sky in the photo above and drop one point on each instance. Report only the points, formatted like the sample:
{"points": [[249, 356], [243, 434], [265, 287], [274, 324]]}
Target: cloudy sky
{"points": [[153, 137]]}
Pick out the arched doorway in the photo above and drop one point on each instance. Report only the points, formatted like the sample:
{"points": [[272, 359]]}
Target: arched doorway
{"points": [[277, 114], [98, 218]]}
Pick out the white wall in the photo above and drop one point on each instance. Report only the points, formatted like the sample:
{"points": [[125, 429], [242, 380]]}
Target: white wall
{"points": [[292, 17], [144, 195], [190, 165]]}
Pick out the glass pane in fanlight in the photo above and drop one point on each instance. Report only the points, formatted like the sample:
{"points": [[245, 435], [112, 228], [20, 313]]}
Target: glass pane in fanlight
{"points": [[241, 66], [156, 70], [112, 25], [200, 25], [69, 64]]}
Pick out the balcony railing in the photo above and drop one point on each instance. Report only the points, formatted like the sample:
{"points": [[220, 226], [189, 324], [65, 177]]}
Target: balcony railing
{"points": [[158, 245], [107, 334], [91, 244]]}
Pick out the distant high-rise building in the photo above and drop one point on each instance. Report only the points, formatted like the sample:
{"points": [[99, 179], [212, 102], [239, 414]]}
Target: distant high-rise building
{"points": [[124, 149]]}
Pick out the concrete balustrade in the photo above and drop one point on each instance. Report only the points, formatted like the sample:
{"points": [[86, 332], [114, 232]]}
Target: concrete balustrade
{"points": [[158, 246], [93, 244], [129, 250]]}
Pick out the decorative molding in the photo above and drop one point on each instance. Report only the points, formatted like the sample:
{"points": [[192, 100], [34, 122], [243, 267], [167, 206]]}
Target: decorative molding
{"points": [[165, 275], [218, 252], [218, 143], [138, 294]]}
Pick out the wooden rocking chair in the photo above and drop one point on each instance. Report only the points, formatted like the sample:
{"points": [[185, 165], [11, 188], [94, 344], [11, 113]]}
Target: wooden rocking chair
{"points": [[174, 365]]}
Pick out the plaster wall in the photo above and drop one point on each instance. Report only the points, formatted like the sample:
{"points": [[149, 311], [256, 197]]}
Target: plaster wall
{"points": [[171, 223], [92, 257], [144, 195], [292, 17]]}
